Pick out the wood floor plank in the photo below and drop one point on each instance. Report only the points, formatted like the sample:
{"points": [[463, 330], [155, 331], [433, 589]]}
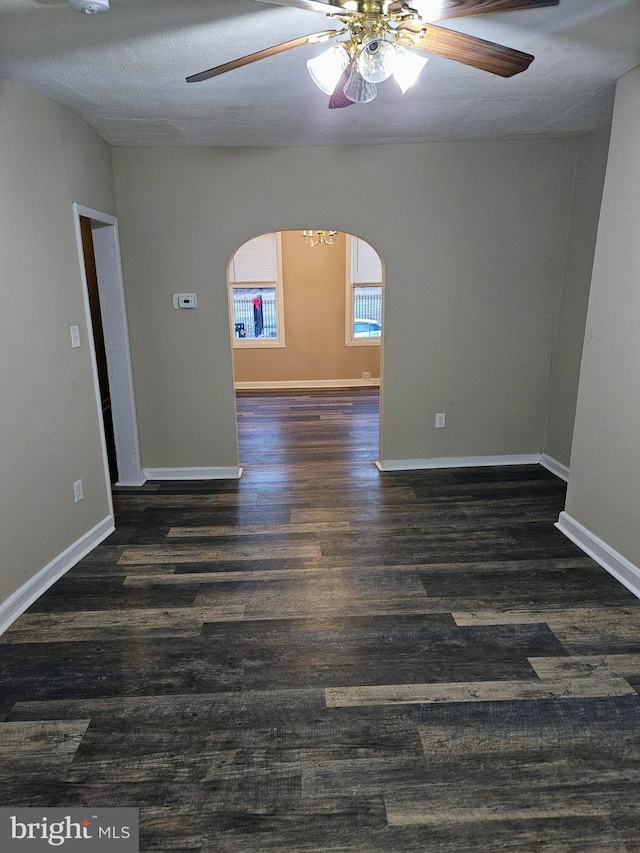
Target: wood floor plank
{"points": [[43, 746], [479, 691], [624, 665], [411, 814], [200, 579], [327, 595], [132, 501], [99, 624], [587, 630], [256, 530], [143, 554], [193, 711]]}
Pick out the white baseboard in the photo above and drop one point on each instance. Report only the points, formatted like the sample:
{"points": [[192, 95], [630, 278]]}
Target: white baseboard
{"points": [[622, 569], [456, 462], [307, 384], [231, 472], [29, 592], [555, 467]]}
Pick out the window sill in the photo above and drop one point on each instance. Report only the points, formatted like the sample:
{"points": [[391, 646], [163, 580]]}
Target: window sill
{"points": [[253, 343], [363, 342]]}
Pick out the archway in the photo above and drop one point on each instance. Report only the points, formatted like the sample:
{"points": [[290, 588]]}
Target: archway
{"points": [[306, 314]]}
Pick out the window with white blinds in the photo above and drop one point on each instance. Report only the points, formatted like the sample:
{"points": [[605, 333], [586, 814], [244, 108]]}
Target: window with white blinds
{"points": [[364, 295], [255, 293], [366, 267], [255, 261]]}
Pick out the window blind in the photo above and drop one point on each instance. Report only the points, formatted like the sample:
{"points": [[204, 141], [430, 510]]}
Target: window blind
{"points": [[366, 267], [255, 261]]}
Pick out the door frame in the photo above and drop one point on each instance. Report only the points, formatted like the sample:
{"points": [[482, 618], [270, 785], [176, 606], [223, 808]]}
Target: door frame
{"points": [[106, 245]]}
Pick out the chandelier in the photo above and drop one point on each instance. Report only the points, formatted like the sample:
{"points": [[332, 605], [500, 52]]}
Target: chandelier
{"points": [[319, 238]]}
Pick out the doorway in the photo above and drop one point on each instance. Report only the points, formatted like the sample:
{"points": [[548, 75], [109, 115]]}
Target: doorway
{"points": [[317, 350], [99, 256], [98, 342]]}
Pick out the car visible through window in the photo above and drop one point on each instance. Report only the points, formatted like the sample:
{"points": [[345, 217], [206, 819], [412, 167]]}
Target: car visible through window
{"points": [[366, 329]]}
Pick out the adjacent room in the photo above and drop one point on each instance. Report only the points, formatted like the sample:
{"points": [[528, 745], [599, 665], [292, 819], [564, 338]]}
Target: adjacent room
{"points": [[306, 311], [319, 422]]}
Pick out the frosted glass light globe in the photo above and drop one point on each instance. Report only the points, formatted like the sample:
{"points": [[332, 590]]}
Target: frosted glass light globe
{"points": [[359, 90], [325, 70], [377, 60], [408, 67]]}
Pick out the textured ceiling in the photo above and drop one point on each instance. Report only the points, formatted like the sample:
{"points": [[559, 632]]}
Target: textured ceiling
{"points": [[124, 72]]}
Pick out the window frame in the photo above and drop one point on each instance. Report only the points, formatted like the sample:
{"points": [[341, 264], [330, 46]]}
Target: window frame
{"points": [[350, 339], [259, 343]]}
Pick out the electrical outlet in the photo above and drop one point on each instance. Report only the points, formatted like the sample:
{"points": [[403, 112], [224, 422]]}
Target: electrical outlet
{"points": [[77, 491], [366, 376], [440, 418]]}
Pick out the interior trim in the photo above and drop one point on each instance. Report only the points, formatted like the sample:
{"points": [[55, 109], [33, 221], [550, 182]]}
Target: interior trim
{"points": [[622, 569], [456, 462], [24, 597], [222, 473], [310, 383], [555, 467]]}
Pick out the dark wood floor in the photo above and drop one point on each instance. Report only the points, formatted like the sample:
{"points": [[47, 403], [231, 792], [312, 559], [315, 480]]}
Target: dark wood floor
{"points": [[325, 658]]}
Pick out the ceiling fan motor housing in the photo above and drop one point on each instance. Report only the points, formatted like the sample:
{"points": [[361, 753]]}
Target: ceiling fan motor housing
{"points": [[90, 7]]}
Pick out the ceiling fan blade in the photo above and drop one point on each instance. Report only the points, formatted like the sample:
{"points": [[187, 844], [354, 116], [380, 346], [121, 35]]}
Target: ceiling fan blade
{"points": [[460, 8], [261, 54], [325, 8], [485, 55]]}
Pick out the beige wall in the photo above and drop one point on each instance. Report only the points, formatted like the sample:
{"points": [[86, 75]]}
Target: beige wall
{"points": [[473, 237], [49, 432], [604, 493], [591, 164], [314, 288]]}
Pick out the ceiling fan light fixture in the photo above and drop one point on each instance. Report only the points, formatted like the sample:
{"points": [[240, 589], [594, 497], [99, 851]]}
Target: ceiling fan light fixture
{"points": [[377, 60], [408, 67], [359, 90], [325, 70]]}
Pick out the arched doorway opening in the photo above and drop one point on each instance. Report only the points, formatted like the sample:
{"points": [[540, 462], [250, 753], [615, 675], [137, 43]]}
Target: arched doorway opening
{"points": [[306, 318]]}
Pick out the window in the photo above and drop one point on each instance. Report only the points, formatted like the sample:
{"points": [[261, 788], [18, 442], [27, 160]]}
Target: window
{"points": [[255, 293], [364, 294]]}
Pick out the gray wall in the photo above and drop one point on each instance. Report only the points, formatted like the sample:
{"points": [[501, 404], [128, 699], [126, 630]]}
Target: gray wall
{"points": [[591, 164], [604, 490], [473, 237], [49, 432]]}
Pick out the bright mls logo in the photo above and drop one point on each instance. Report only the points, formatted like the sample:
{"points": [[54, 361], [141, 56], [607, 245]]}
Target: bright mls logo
{"points": [[79, 830]]}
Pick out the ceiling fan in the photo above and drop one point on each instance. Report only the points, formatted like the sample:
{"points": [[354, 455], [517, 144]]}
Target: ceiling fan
{"points": [[387, 37]]}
